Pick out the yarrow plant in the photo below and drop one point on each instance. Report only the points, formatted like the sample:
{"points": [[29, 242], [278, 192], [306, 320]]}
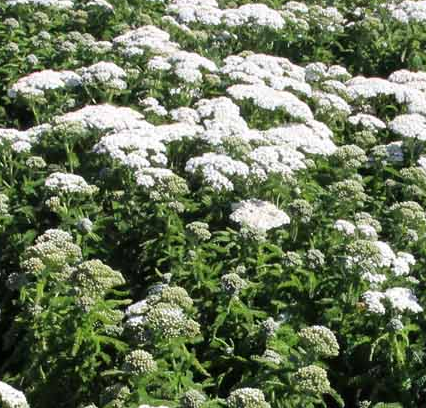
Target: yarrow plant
{"points": [[196, 213]]}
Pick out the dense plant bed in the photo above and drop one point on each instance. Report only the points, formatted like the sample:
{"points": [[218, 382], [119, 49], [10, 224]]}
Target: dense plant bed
{"points": [[212, 204]]}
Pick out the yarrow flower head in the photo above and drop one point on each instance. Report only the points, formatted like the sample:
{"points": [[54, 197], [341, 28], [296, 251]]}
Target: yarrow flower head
{"points": [[55, 249], [259, 215], [115, 395], [36, 84], [12, 398], [199, 230], [176, 295], [349, 157], [232, 283], [161, 184], [349, 191], [269, 356], [192, 399], [94, 278], [170, 321], [312, 380], [36, 162], [346, 227], [104, 74], [397, 299], [315, 258], [68, 183], [410, 213], [139, 362], [247, 398], [218, 170], [319, 340]]}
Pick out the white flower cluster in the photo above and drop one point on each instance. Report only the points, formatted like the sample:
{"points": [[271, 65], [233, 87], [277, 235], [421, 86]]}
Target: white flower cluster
{"points": [[102, 4], [270, 99], [303, 17], [367, 122], [104, 74], [161, 184], [60, 4], [311, 137], [232, 283], [208, 13], [34, 85], [263, 69], [151, 105], [176, 132], [132, 148], [411, 126], [105, 118], [147, 38], [255, 14], [398, 299], [217, 170], [221, 119], [18, 140], [326, 18], [328, 103], [196, 11], [384, 154], [139, 362], [149, 177], [258, 215], [12, 398], [317, 72], [280, 160], [187, 66], [193, 399], [382, 255], [408, 11], [93, 278], [366, 88], [68, 183]]}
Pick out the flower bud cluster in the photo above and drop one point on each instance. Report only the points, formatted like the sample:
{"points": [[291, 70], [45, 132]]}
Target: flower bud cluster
{"points": [[301, 211], [315, 258], [200, 230], [93, 278], [410, 213], [247, 398], [319, 340], [36, 162], [269, 356], [232, 283], [348, 191], [162, 314], [4, 204], [54, 249], [312, 380], [192, 399], [115, 396], [139, 362], [349, 157], [177, 296], [170, 321], [269, 327]]}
